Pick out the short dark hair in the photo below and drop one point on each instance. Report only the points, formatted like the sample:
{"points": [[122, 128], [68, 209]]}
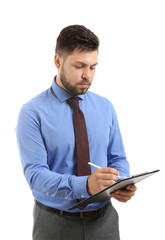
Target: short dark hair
{"points": [[76, 37]]}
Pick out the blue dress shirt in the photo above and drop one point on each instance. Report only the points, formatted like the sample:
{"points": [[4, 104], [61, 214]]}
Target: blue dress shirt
{"points": [[46, 142]]}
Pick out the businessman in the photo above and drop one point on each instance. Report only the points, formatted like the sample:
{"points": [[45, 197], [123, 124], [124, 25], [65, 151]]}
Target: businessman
{"points": [[58, 133]]}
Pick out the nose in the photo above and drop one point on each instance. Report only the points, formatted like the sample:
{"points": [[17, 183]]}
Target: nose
{"points": [[86, 74]]}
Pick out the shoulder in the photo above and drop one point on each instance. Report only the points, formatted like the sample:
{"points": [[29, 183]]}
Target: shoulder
{"points": [[40, 98], [99, 100], [36, 101], [33, 106], [101, 105]]}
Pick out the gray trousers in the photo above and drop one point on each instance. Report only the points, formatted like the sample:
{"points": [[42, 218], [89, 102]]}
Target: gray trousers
{"points": [[51, 226]]}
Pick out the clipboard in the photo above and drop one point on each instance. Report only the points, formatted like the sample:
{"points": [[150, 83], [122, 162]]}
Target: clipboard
{"points": [[105, 194]]}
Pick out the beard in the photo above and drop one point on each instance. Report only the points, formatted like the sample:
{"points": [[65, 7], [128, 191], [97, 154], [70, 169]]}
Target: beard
{"points": [[74, 89]]}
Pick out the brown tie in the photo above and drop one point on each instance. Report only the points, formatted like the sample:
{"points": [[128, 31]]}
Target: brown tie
{"points": [[81, 138]]}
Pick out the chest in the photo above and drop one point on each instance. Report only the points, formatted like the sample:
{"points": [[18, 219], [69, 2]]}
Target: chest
{"points": [[58, 130]]}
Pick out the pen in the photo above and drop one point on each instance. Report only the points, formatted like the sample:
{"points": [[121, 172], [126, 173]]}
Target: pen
{"points": [[96, 166]]}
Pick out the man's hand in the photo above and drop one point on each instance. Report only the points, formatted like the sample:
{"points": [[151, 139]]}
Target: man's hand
{"points": [[100, 179], [124, 195]]}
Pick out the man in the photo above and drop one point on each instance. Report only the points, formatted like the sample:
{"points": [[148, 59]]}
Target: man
{"points": [[49, 147]]}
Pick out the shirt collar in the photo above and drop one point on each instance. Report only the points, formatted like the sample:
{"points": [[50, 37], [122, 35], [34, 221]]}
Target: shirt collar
{"points": [[61, 94]]}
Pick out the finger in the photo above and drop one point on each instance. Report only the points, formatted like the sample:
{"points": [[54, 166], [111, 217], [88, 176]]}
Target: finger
{"points": [[126, 195], [108, 177], [131, 188], [123, 194], [109, 170], [122, 199], [106, 183]]}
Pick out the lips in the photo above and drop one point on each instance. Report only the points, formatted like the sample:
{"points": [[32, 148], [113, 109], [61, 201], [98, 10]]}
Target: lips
{"points": [[84, 84]]}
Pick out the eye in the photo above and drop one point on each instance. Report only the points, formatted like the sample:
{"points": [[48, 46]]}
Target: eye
{"points": [[78, 67], [92, 68]]}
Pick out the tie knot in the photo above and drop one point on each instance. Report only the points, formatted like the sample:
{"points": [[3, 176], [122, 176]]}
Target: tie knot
{"points": [[74, 102]]}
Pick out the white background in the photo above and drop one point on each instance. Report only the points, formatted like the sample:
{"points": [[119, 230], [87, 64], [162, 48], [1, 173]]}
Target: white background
{"points": [[131, 74]]}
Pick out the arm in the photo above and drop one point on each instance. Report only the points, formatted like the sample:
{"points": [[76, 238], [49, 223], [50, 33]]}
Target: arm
{"points": [[115, 152], [33, 154], [117, 159]]}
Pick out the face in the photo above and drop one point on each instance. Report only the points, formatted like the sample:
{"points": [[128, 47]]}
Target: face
{"points": [[76, 71]]}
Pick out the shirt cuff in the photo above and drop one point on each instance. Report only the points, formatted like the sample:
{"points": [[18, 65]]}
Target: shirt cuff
{"points": [[79, 185]]}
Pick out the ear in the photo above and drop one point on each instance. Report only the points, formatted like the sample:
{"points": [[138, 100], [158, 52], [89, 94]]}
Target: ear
{"points": [[58, 60]]}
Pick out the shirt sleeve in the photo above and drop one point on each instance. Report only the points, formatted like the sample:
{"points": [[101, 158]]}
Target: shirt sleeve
{"points": [[33, 156], [116, 153]]}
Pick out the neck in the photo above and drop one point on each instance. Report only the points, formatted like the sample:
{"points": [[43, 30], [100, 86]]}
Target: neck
{"points": [[59, 83]]}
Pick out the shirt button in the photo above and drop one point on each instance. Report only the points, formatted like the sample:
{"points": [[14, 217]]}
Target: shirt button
{"points": [[66, 198], [82, 196]]}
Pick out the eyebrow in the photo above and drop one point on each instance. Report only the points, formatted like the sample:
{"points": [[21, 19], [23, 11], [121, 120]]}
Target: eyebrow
{"points": [[86, 64]]}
